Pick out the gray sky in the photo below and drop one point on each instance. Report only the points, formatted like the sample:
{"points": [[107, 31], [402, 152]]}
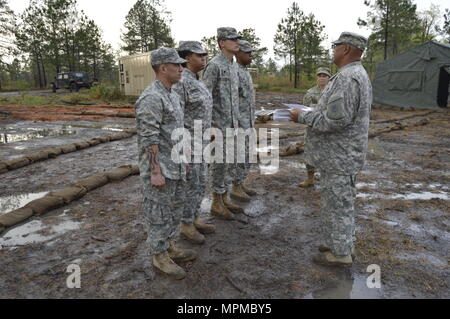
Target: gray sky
{"points": [[193, 20]]}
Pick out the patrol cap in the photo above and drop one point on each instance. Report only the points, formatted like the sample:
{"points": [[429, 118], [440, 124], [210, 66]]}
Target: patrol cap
{"points": [[324, 70], [353, 39], [245, 46], [166, 55], [192, 46], [227, 34]]}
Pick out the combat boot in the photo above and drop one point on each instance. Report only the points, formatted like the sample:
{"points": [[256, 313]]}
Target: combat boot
{"points": [[218, 208], [204, 228], [235, 209], [309, 182], [324, 249], [248, 191], [239, 195], [166, 265], [328, 259], [191, 234], [180, 255]]}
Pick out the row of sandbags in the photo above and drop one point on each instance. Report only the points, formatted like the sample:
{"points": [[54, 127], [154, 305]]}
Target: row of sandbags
{"points": [[65, 196], [54, 152], [299, 148]]}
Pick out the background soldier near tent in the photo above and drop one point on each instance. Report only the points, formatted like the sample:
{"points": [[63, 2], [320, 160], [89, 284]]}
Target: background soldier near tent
{"points": [[311, 99], [197, 107], [338, 144], [221, 78], [246, 121], [158, 113]]}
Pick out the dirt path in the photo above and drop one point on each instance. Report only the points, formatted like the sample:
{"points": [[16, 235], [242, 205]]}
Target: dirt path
{"points": [[403, 226]]}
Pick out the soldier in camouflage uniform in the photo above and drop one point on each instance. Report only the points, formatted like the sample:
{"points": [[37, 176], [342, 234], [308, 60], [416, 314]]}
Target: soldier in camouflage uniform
{"points": [[197, 102], [247, 118], [222, 80], [158, 113], [339, 130], [311, 99]]}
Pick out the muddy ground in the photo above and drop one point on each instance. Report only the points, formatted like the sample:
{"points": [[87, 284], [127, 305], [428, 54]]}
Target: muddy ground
{"points": [[403, 222]]}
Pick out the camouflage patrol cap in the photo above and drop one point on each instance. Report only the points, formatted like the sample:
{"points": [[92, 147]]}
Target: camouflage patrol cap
{"points": [[192, 46], [227, 34], [353, 39], [245, 46], [324, 70], [166, 55]]}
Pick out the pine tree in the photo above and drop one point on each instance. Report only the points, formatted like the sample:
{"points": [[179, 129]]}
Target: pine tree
{"points": [[147, 25]]}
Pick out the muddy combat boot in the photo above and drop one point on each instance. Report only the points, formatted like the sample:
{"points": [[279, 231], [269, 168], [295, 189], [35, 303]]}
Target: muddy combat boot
{"points": [[325, 249], [180, 255], [191, 234], [248, 191], [218, 208], [231, 207], [166, 265], [327, 259], [309, 182], [239, 195], [203, 228]]}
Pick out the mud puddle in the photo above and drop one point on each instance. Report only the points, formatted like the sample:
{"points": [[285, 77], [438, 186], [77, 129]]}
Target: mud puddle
{"points": [[348, 287], [37, 232], [409, 196], [104, 127], [12, 136], [10, 203]]}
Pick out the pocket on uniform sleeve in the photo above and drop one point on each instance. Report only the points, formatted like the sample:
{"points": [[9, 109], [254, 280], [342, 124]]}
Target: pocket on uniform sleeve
{"points": [[335, 107]]}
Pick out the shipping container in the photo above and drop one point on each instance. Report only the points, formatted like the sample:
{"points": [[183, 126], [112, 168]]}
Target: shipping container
{"points": [[135, 73]]}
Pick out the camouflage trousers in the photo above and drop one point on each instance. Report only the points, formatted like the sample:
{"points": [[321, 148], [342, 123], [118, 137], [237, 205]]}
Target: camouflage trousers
{"points": [[338, 194], [163, 210], [222, 174], [195, 191], [242, 170]]}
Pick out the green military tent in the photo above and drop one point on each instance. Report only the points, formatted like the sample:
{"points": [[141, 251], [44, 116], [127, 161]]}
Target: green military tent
{"points": [[418, 78]]}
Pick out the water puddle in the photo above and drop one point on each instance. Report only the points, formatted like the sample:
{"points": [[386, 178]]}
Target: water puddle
{"points": [[10, 203], [349, 287], [409, 196], [269, 169], [20, 135], [375, 148], [31, 233], [104, 127]]}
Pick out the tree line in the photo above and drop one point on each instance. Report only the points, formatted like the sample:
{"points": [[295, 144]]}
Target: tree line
{"points": [[53, 36]]}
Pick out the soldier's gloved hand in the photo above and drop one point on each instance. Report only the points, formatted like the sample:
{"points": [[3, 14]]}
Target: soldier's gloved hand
{"points": [[158, 180], [188, 169]]}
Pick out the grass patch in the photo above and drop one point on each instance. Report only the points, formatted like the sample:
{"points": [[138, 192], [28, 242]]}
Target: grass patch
{"points": [[106, 93]]}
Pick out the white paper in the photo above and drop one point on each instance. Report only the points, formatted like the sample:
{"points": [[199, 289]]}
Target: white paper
{"points": [[298, 106]]}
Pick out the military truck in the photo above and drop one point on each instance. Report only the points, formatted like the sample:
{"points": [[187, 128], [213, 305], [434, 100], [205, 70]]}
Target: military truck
{"points": [[73, 81]]}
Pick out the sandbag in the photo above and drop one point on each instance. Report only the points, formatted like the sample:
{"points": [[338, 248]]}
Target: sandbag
{"points": [[135, 170], [46, 204], [82, 145], [116, 137], [17, 163], [94, 142], [54, 152], [15, 217], [68, 148], [93, 182], [3, 168], [104, 139], [37, 156], [119, 174], [131, 131], [70, 194]]}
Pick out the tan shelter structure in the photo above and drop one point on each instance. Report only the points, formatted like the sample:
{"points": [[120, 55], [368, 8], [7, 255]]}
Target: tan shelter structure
{"points": [[135, 73]]}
